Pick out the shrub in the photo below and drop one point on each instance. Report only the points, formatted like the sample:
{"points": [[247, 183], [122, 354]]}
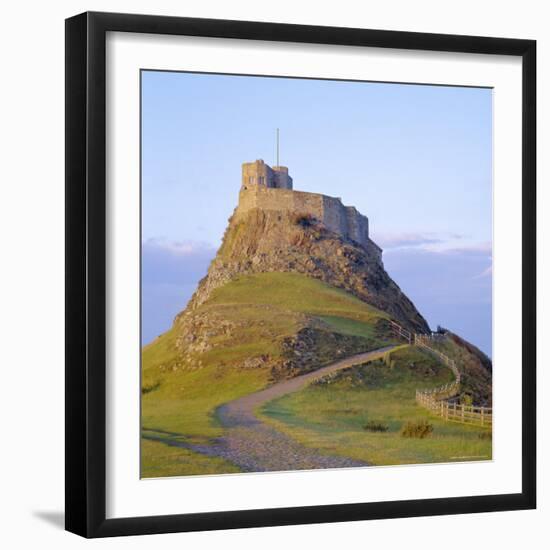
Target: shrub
{"points": [[147, 388], [372, 426], [304, 220], [466, 399], [419, 430]]}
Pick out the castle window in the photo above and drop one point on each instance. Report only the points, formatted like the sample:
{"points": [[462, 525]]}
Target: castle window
{"points": [[250, 179], [261, 180]]}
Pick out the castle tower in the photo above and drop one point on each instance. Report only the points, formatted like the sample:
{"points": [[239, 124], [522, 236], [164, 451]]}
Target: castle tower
{"points": [[282, 179], [259, 174]]}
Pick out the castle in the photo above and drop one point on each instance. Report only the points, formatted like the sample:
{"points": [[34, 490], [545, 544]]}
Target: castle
{"points": [[270, 188]]}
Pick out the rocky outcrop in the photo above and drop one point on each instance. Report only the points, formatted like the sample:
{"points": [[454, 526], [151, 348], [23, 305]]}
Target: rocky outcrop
{"points": [[260, 241]]}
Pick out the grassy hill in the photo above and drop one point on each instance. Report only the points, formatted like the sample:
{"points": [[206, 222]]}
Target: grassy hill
{"points": [[360, 413], [250, 332], [475, 368], [260, 328], [271, 241]]}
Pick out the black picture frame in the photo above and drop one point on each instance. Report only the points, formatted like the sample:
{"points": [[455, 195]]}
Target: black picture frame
{"points": [[86, 269]]}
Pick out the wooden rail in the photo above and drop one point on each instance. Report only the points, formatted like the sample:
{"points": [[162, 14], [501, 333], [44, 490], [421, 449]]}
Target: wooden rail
{"points": [[436, 400], [455, 412], [423, 341], [401, 332]]}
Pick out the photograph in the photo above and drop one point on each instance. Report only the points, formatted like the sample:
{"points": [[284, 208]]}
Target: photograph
{"points": [[316, 273], [261, 263]]}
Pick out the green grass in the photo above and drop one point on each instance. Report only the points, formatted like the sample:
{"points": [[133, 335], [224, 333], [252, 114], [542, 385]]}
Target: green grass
{"points": [[182, 410], [348, 326], [332, 416], [185, 402], [179, 400], [294, 293], [161, 350], [161, 460], [476, 379]]}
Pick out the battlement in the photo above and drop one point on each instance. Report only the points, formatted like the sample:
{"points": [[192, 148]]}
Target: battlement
{"points": [[269, 188]]}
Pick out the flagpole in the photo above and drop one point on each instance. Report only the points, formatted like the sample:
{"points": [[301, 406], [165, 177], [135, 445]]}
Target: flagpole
{"points": [[277, 146]]}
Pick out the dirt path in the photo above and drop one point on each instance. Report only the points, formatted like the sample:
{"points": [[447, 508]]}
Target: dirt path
{"points": [[255, 446]]}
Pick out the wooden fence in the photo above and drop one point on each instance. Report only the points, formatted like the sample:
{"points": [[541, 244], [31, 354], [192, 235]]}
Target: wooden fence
{"points": [[400, 332], [423, 341], [455, 412], [436, 400]]}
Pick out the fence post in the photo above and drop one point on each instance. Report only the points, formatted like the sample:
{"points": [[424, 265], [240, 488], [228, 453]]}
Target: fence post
{"points": [[482, 414], [463, 413]]}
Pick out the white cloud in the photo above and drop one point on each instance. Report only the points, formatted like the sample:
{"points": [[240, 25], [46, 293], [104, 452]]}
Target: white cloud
{"points": [[483, 248], [406, 240], [424, 240], [182, 248], [173, 262]]}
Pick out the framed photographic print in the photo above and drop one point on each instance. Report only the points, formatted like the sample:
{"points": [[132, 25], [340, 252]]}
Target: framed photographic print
{"points": [[300, 274]]}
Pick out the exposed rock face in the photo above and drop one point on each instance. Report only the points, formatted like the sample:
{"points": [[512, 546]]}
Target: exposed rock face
{"points": [[312, 343], [258, 241], [312, 346]]}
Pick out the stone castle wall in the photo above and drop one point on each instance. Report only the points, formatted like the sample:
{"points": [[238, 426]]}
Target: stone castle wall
{"points": [[344, 220]]}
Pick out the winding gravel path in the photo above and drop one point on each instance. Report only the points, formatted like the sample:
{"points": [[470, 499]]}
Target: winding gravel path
{"points": [[255, 446]]}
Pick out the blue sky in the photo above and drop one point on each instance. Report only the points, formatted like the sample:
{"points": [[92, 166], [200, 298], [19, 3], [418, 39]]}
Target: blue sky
{"points": [[417, 160]]}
